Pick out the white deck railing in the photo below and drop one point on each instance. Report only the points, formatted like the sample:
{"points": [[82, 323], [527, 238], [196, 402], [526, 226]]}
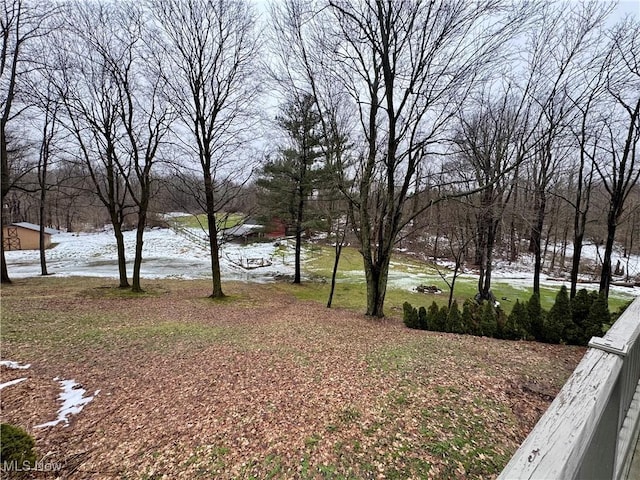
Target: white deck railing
{"points": [[590, 429]]}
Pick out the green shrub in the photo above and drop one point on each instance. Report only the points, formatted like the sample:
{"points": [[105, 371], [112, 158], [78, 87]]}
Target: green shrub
{"points": [[432, 318], [559, 322], [536, 317], [470, 318], [598, 316], [516, 326], [580, 306], [422, 318], [454, 320], [443, 319], [488, 320], [16, 446], [501, 320], [410, 315]]}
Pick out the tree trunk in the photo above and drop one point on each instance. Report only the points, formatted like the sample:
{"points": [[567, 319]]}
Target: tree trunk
{"points": [[42, 174], [43, 258], [137, 261], [334, 273], [376, 275], [453, 282], [122, 260], [298, 247], [491, 238], [5, 273], [4, 176], [216, 277], [605, 278], [575, 263], [536, 240]]}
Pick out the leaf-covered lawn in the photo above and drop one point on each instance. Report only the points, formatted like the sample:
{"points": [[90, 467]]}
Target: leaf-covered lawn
{"points": [[263, 385]]}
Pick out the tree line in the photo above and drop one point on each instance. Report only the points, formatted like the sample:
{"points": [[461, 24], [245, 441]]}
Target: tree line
{"points": [[469, 130]]}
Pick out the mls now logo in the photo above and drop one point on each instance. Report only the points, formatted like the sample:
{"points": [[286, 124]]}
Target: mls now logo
{"points": [[26, 466]]}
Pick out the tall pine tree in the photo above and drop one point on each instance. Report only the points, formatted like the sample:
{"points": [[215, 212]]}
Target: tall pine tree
{"points": [[290, 179]]}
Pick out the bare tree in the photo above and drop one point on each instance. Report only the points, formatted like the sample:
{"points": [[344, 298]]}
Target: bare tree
{"points": [[21, 22], [298, 69], [83, 74], [566, 34], [114, 110], [209, 53], [493, 140], [587, 135], [620, 170], [405, 65], [49, 106]]}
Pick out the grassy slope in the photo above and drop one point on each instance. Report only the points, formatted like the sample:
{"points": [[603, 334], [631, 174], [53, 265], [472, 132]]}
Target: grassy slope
{"points": [[261, 385], [351, 291], [200, 221]]}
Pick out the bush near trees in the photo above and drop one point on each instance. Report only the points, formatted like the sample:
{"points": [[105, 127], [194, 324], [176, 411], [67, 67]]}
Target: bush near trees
{"points": [[571, 322], [16, 446]]}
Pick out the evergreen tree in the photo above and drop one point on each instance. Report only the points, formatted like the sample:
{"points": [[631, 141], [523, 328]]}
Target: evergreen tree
{"points": [[501, 320], [536, 317], [515, 327], [410, 315], [454, 319], [580, 306], [290, 179], [559, 322], [422, 318], [470, 319], [596, 319], [432, 318], [443, 315], [488, 321]]}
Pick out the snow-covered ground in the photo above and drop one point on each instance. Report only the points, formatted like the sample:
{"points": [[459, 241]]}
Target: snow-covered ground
{"points": [[168, 254]]}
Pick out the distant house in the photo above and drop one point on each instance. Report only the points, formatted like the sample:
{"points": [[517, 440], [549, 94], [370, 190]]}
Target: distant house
{"points": [[25, 236], [245, 232]]}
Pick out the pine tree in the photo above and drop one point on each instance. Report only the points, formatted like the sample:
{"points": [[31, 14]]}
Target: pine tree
{"points": [[515, 327], [443, 315], [432, 317], [501, 320], [289, 180], [422, 319], [410, 315], [559, 320], [488, 322], [536, 317], [597, 317], [455, 319], [470, 319], [580, 306]]}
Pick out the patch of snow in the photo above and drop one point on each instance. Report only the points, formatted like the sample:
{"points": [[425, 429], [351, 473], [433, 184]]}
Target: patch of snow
{"points": [[12, 382], [73, 401], [14, 365]]}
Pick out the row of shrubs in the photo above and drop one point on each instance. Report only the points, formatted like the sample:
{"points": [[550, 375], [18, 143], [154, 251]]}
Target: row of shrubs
{"points": [[571, 322]]}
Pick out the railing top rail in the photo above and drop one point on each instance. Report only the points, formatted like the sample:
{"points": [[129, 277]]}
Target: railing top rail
{"points": [[626, 329]]}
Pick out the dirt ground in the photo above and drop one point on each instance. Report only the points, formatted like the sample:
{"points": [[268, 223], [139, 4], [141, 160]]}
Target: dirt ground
{"points": [[261, 385]]}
